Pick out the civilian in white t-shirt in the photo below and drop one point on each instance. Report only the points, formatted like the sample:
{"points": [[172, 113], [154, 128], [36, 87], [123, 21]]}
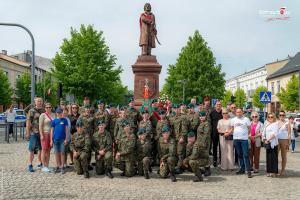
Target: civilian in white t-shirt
{"points": [[240, 127], [10, 118]]}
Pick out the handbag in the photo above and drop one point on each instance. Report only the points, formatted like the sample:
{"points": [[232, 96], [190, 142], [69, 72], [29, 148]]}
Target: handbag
{"points": [[229, 137]]}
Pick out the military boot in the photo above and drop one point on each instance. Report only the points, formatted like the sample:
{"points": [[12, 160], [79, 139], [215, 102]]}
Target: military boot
{"points": [[109, 174], [198, 177], [86, 174], [207, 171], [146, 175], [173, 177]]}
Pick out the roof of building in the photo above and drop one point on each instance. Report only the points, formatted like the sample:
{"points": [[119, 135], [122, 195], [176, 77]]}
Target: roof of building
{"points": [[292, 66], [14, 60], [40, 62]]}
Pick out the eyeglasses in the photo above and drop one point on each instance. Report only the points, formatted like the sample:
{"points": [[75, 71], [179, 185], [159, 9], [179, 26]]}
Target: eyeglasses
{"points": [[74, 108], [224, 113], [47, 107], [270, 117], [254, 116], [281, 115]]}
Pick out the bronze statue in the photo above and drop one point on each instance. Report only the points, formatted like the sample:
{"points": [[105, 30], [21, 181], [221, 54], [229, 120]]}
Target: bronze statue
{"points": [[148, 30]]}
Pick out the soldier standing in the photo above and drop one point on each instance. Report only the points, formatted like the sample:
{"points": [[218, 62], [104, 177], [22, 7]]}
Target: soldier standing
{"points": [[80, 146], [133, 115], [102, 146], [163, 122], [167, 154], [125, 155], [179, 126], [203, 137], [101, 113], [144, 150], [193, 118], [146, 124], [195, 158]]}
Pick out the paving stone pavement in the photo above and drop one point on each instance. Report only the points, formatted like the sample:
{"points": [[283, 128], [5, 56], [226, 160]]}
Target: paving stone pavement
{"points": [[17, 183]]}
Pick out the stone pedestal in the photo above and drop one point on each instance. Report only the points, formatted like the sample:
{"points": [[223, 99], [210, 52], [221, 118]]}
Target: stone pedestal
{"points": [[146, 67]]}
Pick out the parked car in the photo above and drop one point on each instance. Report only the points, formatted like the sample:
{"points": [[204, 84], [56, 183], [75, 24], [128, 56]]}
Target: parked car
{"points": [[20, 116], [2, 118]]}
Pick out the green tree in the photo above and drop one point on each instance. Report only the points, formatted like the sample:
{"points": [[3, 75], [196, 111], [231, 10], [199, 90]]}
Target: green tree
{"points": [[47, 88], [85, 67], [255, 98], [289, 97], [197, 65], [227, 98], [5, 89], [23, 89], [240, 98]]}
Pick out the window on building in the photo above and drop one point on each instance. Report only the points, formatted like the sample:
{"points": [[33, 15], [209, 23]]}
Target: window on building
{"points": [[18, 76], [272, 87], [278, 86]]}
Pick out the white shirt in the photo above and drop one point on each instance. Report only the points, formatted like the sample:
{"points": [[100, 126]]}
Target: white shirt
{"points": [[271, 129], [282, 130], [240, 127], [10, 116]]}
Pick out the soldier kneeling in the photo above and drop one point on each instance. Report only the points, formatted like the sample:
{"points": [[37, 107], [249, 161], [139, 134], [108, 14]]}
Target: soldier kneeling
{"points": [[144, 150], [80, 146], [167, 153], [102, 146], [193, 160], [125, 156]]}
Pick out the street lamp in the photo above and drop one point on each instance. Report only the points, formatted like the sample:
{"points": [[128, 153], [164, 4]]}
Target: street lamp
{"points": [[32, 60], [183, 82]]}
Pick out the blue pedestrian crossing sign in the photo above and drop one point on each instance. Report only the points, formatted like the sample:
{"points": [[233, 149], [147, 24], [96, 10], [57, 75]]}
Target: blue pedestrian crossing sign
{"points": [[265, 97]]}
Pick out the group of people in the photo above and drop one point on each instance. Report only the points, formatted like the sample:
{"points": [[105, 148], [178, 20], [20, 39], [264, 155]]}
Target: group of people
{"points": [[176, 139]]}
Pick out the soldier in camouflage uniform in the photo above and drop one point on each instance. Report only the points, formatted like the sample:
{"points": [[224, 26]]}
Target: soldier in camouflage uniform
{"points": [[167, 154], [86, 101], [119, 131], [102, 146], [163, 122], [203, 137], [193, 118], [195, 157], [144, 153], [125, 155], [88, 121], [112, 119], [80, 146], [133, 115], [146, 124], [179, 125], [33, 133], [101, 113]]}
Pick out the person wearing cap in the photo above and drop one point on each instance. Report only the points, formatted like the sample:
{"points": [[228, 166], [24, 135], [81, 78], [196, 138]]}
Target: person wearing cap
{"points": [[86, 101], [194, 159], [80, 146], [133, 115], [203, 137], [125, 156], [112, 119], [101, 113], [164, 121], [102, 146], [146, 124], [88, 121], [73, 116], [62, 104], [59, 138], [179, 126], [167, 155], [144, 153], [192, 117], [119, 131]]}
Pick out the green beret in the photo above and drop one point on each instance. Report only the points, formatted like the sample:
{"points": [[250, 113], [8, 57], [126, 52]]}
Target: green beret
{"points": [[144, 111], [154, 101], [141, 131], [100, 122], [191, 106], [131, 100], [161, 112], [165, 129], [200, 100], [202, 114], [87, 106], [175, 106], [79, 123], [123, 108], [125, 123], [191, 134]]}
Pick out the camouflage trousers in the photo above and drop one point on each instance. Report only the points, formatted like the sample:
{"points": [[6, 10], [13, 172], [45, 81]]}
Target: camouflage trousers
{"points": [[143, 165], [169, 166], [126, 166], [104, 163], [81, 163], [180, 153], [198, 165]]}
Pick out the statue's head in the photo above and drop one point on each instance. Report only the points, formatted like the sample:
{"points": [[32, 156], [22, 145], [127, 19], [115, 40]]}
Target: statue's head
{"points": [[147, 7]]}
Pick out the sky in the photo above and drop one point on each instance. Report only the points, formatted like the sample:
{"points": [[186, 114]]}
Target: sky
{"points": [[237, 31]]}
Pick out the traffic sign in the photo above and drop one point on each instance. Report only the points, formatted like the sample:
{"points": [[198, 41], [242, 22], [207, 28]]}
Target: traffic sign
{"points": [[265, 97]]}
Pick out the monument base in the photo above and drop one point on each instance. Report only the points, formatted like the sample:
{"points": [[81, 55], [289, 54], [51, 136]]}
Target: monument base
{"points": [[146, 69]]}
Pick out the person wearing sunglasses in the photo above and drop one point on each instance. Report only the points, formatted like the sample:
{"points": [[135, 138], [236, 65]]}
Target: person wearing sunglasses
{"points": [[270, 140], [255, 141], [284, 140], [226, 141]]}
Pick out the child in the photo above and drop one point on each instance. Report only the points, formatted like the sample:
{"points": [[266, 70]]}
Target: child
{"points": [[59, 138]]}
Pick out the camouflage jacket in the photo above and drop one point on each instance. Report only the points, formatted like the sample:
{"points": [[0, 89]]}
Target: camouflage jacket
{"points": [[34, 115], [101, 115], [80, 143], [148, 127], [118, 131], [193, 120], [144, 149], [179, 125], [167, 149], [203, 136], [88, 123], [160, 124], [102, 141], [126, 147]]}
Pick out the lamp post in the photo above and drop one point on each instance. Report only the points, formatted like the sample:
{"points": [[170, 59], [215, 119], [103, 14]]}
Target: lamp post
{"points": [[183, 82], [32, 59]]}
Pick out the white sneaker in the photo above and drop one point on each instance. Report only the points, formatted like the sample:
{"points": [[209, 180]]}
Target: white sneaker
{"points": [[46, 170]]}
